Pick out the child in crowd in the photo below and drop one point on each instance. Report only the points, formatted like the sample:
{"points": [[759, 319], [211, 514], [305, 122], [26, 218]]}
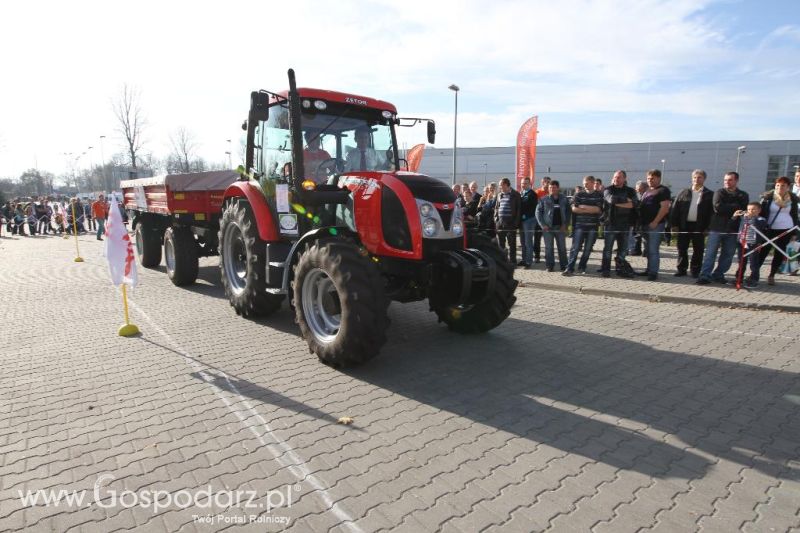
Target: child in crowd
{"points": [[792, 265], [751, 221]]}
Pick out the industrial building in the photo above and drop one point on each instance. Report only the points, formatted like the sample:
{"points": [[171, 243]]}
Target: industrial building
{"points": [[759, 162]]}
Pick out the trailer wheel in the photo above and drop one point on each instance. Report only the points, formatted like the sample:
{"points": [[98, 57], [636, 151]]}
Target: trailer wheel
{"points": [[340, 303], [242, 263], [492, 312], [148, 245], [180, 255]]}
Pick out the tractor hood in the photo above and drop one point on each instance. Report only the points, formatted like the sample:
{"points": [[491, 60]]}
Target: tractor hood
{"points": [[421, 186], [427, 188], [402, 214]]}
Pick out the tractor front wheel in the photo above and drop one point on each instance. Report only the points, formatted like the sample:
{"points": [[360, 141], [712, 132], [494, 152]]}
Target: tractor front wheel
{"points": [[242, 263], [340, 303], [490, 313]]}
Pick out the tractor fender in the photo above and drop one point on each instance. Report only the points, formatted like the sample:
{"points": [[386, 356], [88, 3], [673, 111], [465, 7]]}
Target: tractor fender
{"points": [[299, 246], [262, 213]]}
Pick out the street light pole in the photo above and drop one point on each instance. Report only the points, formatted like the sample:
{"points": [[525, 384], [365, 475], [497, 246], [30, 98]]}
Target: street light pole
{"points": [[484, 174], [230, 161], [67, 158], [102, 155], [663, 165], [739, 152], [77, 183], [91, 167], [455, 89]]}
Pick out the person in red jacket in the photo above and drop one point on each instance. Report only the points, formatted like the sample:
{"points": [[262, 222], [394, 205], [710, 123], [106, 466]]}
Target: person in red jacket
{"points": [[314, 156], [100, 214]]}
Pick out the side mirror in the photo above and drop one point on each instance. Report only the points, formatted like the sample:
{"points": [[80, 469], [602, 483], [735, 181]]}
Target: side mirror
{"points": [[431, 132], [244, 125], [259, 106]]}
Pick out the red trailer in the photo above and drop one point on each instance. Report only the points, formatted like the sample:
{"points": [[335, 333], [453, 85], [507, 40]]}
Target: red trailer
{"points": [[180, 211]]}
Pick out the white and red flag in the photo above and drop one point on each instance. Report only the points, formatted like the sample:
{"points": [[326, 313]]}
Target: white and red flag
{"points": [[119, 249]]}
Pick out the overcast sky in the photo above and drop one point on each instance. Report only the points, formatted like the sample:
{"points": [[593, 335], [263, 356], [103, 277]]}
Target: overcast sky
{"points": [[593, 71]]}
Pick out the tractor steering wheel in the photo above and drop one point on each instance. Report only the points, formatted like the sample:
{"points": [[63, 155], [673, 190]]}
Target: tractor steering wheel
{"points": [[328, 167]]}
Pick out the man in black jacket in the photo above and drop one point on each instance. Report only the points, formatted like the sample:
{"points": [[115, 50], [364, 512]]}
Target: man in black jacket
{"points": [[723, 230], [653, 211], [690, 216], [619, 202]]}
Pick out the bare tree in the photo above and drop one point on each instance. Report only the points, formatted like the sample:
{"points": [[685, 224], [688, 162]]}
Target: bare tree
{"points": [[31, 183], [128, 111], [183, 149], [183, 157], [6, 189], [49, 180]]}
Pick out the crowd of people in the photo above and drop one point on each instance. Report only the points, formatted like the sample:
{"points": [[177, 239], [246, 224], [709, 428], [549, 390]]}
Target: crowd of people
{"points": [[45, 216], [717, 226]]}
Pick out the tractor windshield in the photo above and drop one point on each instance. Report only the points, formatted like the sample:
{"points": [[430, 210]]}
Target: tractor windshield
{"points": [[341, 138]]}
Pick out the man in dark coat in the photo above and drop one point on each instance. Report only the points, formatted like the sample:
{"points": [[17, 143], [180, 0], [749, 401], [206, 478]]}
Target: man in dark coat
{"points": [[506, 217], [690, 215]]}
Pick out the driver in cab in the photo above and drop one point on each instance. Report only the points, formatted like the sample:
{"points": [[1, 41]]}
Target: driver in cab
{"points": [[363, 156], [314, 156]]}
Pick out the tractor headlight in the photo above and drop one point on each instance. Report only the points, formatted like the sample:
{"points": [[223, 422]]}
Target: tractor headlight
{"points": [[457, 228], [425, 210], [428, 227]]}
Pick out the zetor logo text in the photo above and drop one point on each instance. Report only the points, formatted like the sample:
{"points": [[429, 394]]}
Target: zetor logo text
{"points": [[351, 100]]}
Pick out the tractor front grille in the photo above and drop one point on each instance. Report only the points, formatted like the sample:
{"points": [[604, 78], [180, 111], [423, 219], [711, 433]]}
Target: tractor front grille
{"points": [[431, 247], [446, 215], [394, 221]]}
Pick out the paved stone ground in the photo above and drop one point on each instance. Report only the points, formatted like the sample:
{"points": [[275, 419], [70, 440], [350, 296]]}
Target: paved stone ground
{"points": [[579, 413], [785, 294]]}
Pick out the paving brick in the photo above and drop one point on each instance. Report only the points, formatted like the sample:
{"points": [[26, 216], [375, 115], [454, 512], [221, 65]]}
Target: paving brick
{"points": [[595, 423]]}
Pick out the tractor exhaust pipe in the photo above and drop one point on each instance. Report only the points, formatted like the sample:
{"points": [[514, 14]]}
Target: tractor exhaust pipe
{"points": [[297, 136]]}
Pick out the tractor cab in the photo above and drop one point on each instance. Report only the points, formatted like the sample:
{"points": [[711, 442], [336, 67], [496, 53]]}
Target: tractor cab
{"points": [[336, 138], [303, 144]]}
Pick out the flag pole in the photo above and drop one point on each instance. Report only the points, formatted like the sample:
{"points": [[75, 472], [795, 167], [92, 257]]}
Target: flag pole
{"points": [[63, 212], [127, 329], [78, 258]]}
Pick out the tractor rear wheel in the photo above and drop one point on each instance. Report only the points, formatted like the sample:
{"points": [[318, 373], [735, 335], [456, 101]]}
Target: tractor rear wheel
{"points": [[148, 245], [242, 263], [180, 255], [490, 313], [340, 303]]}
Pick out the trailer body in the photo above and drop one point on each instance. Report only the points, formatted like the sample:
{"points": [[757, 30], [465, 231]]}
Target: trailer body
{"points": [[180, 212]]}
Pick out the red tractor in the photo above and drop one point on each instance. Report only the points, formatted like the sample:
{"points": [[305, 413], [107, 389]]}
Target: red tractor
{"points": [[324, 215]]}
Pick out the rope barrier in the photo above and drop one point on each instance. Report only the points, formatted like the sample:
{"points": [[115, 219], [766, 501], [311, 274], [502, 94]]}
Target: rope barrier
{"points": [[606, 230], [50, 220], [772, 242]]}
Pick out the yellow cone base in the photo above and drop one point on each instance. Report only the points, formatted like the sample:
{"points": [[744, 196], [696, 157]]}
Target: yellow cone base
{"points": [[79, 259], [128, 330]]}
